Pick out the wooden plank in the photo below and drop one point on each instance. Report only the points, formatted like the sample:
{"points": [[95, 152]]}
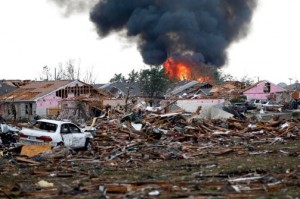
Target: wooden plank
{"points": [[33, 150], [26, 160]]}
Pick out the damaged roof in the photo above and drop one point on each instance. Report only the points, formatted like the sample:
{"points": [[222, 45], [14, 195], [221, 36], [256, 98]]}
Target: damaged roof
{"points": [[188, 87], [229, 87], [34, 90], [114, 88], [293, 87], [6, 88]]}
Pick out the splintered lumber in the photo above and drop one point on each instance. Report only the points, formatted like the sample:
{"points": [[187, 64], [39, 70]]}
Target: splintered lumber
{"points": [[205, 129], [226, 158], [290, 128], [151, 118], [221, 152], [26, 160], [264, 127], [75, 171], [159, 122], [215, 127], [40, 173], [131, 134]]}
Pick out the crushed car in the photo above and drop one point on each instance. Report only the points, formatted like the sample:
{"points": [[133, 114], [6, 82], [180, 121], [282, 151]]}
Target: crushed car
{"points": [[240, 107], [272, 106], [258, 102], [56, 133], [8, 134], [250, 105]]}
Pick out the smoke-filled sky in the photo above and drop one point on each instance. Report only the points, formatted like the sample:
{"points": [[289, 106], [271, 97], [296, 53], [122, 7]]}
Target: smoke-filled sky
{"points": [[168, 27], [37, 33]]}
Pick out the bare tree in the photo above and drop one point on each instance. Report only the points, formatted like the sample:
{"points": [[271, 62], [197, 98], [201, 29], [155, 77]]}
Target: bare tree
{"points": [[68, 71], [89, 77], [248, 81], [60, 73], [132, 77], [46, 74]]}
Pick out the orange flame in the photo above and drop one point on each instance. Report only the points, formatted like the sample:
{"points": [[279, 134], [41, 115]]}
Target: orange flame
{"points": [[183, 71], [177, 70]]}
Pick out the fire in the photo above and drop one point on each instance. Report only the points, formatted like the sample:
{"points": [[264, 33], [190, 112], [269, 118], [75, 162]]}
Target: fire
{"points": [[177, 69], [203, 79], [183, 71]]}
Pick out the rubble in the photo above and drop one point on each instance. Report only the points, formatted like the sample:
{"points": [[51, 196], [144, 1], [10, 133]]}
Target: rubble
{"points": [[170, 155]]}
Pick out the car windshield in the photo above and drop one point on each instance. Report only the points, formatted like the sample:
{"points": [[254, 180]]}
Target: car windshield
{"points": [[50, 127]]}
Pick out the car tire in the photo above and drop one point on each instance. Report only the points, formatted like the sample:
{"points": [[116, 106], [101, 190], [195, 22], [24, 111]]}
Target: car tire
{"points": [[88, 145], [60, 144]]}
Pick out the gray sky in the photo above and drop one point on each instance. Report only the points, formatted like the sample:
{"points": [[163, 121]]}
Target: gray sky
{"points": [[34, 33]]}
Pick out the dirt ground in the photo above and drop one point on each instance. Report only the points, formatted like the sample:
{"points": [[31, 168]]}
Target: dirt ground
{"points": [[236, 165], [266, 171]]}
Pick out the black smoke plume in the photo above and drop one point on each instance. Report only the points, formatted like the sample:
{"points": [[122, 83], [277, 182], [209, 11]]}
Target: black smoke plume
{"points": [[166, 28]]}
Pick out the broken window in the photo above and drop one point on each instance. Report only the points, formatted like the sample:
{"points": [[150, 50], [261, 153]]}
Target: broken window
{"points": [[74, 129], [30, 109], [63, 93], [49, 127], [26, 109], [76, 90], [267, 87], [64, 129]]}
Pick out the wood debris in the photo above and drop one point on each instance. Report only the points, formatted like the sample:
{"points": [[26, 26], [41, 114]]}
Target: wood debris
{"points": [[169, 156]]}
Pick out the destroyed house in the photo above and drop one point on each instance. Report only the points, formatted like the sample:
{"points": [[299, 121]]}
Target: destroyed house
{"points": [[121, 90], [294, 90], [229, 90], [5, 87], [262, 90], [293, 87], [189, 89], [41, 98]]}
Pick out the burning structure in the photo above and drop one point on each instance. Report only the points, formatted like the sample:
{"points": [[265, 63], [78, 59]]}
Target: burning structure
{"points": [[189, 38], [182, 69], [185, 37]]}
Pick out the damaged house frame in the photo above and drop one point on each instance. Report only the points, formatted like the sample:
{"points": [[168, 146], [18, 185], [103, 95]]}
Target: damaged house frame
{"points": [[42, 98]]}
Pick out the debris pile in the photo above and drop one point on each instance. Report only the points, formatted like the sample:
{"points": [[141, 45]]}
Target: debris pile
{"points": [[171, 155]]}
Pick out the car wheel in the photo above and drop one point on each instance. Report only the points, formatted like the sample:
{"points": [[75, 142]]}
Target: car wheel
{"points": [[88, 145], [60, 144]]}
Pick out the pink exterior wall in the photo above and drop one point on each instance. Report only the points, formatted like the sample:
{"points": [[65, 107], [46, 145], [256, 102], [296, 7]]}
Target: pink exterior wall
{"points": [[52, 101], [257, 92]]}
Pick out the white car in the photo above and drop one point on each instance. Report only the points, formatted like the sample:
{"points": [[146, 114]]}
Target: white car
{"points": [[56, 133], [258, 102], [272, 106]]}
